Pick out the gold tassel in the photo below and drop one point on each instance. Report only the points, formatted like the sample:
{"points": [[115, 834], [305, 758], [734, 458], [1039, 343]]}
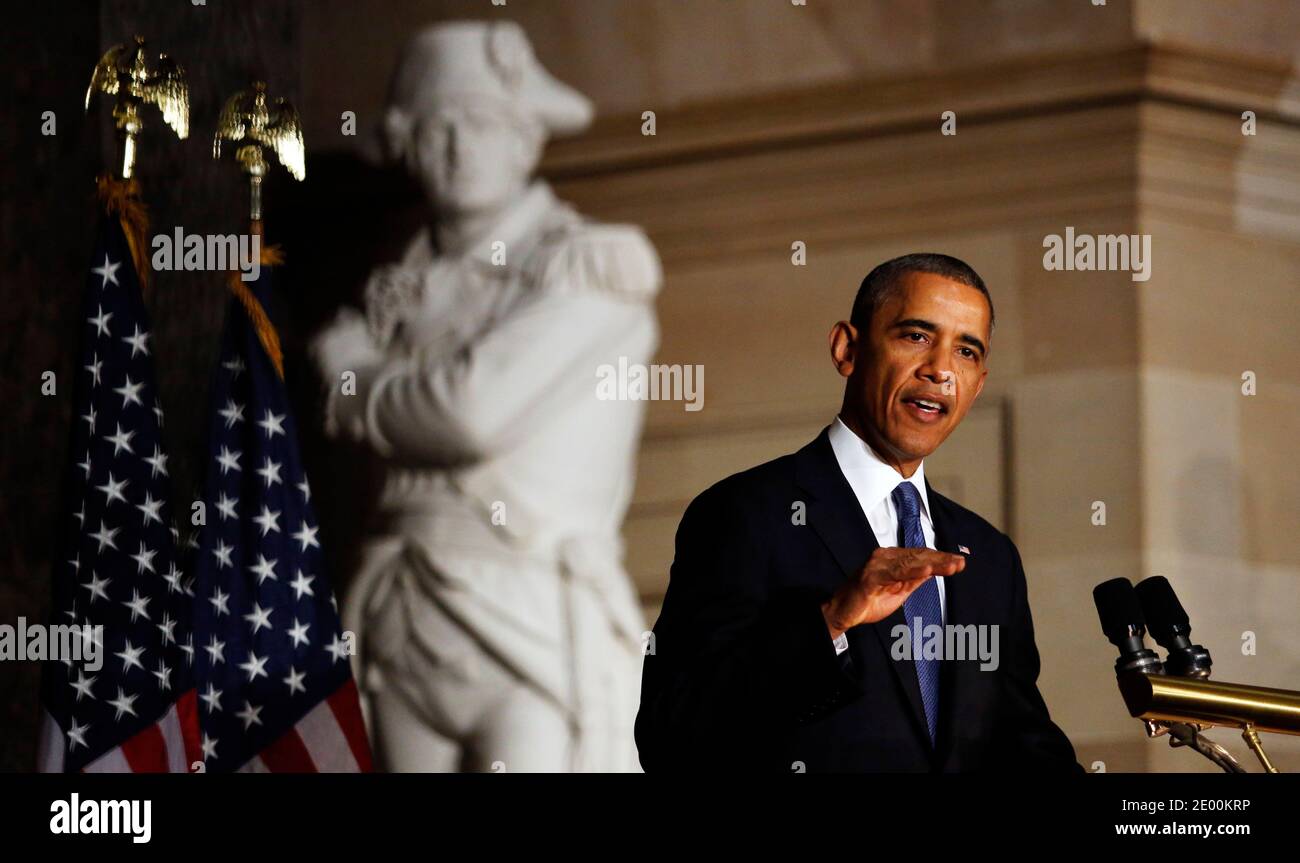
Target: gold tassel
{"points": [[122, 198], [266, 334]]}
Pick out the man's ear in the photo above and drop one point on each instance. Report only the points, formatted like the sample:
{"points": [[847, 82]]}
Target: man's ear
{"points": [[844, 347], [979, 386]]}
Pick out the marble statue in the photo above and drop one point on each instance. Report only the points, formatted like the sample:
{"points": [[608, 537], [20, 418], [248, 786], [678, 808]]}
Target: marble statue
{"points": [[496, 626]]}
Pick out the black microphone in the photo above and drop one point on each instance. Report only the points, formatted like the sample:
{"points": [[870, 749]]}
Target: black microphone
{"points": [[1122, 621], [1171, 628]]}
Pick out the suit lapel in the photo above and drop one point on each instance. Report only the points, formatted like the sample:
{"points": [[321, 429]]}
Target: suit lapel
{"points": [[837, 518], [833, 510], [961, 594]]}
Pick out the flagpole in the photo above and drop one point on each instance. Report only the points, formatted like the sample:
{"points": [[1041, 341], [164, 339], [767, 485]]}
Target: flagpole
{"points": [[253, 122]]}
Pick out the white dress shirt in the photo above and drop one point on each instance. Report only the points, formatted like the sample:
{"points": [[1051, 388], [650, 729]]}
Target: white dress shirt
{"points": [[873, 483]]}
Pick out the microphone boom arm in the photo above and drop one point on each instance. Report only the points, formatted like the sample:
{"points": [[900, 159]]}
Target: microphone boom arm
{"points": [[1165, 701]]}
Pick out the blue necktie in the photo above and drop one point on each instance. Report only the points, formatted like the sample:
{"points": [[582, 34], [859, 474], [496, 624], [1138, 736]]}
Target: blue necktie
{"points": [[923, 602]]}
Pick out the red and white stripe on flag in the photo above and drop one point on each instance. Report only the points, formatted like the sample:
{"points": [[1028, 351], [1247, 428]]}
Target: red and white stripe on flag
{"points": [[170, 745], [331, 738]]}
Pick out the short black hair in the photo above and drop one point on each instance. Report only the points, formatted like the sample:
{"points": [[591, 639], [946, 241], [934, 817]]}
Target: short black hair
{"points": [[883, 283]]}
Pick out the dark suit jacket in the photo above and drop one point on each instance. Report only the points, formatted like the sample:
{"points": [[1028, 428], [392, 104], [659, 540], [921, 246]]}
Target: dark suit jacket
{"points": [[743, 673]]}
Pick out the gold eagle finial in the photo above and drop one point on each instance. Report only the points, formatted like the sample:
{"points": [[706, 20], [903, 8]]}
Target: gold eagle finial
{"points": [[124, 72], [252, 120], [251, 116]]}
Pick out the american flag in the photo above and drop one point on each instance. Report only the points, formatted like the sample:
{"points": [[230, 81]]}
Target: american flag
{"points": [[272, 670], [118, 567]]}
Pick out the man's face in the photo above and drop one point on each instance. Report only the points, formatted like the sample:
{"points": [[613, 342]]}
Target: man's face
{"points": [[915, 374], [470, 159]]}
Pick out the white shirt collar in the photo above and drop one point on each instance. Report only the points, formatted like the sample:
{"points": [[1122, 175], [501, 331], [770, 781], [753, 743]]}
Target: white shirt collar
{"points": [[871, 479]]}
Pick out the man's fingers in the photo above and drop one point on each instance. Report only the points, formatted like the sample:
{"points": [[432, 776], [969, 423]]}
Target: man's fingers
{"points": [[894, 565], [936, 559], [921, 573], [931, 554], [920, 563]]}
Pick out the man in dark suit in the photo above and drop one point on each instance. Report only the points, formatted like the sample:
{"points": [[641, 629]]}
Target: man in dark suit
{"points": [[799, 628]]}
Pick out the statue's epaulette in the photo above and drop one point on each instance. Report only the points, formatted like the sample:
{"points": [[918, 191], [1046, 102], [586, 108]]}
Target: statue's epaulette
{"points": [[591, 256]]}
